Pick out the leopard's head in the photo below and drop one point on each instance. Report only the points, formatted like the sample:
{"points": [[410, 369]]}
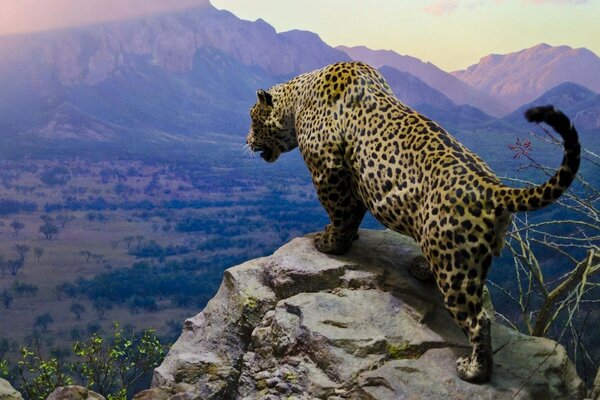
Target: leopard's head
{"points": [[272, 131]]}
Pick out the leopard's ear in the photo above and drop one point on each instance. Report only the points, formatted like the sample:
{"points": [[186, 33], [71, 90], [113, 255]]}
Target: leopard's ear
{"points": [[264, 98]]}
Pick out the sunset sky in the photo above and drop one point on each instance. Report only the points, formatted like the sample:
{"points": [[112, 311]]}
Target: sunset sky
{"points": [[452, 34]]}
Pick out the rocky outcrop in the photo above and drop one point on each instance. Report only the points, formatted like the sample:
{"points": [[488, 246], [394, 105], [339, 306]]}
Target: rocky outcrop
{"points": [[595, 392], [7, 392], [300, 324], [74, 392]]}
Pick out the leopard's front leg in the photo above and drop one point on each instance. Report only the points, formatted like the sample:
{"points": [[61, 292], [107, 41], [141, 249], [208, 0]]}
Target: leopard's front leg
{"points": [[345, 210]]}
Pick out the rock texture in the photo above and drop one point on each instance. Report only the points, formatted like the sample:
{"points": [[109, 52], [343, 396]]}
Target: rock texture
{"points": [[74, 392], [7, 392], [595, 392], [303, 325]]}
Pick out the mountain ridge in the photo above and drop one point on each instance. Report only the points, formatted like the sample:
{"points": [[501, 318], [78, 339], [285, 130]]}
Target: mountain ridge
{"points": [[578, 102], [520, 77], [452, 87], [186, 74]]}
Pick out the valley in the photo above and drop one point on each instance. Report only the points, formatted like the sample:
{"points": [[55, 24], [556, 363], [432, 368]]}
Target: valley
{"points": [[115, 220]]}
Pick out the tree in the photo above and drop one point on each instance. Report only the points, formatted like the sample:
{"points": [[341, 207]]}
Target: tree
{"points": [[128, 240], [4, 347], [87, 254], [14, 266], [558, 307], [21, 249], [47, 219], [67, 288], [17, 226], [43, 321], [102, 305], [7, 299], [48, 229], [38, 252], [23, 289], [77, 309], [64, 219]]}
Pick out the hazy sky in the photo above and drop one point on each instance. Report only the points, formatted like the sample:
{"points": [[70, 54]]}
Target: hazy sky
{"points": [[450, 33]]}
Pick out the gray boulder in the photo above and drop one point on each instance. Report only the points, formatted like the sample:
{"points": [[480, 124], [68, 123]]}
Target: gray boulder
{"points": [[74, 392], [595, 392], [7, 392], [304, 325]]}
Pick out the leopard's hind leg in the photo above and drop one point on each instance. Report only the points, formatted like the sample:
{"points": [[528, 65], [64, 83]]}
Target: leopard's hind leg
{"points": [[419, 269], [460, 276]]}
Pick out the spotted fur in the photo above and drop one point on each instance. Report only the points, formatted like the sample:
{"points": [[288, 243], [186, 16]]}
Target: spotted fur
{"points": [[368, 151]]}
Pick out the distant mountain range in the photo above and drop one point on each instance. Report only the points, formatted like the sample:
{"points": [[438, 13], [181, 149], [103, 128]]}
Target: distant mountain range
{"points": [[518, 78], [455, 89], [161, 78], [579, 103], [166, 80]]}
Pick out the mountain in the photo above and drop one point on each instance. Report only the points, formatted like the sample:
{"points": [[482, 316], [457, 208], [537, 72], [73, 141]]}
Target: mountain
{"points": [[518, 78], [579, 103], [158, 79], [413, 91], [431, 102], [456, 90]]}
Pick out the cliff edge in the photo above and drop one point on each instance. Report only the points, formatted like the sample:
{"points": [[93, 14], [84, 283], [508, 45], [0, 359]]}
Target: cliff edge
{"points": [[304, 325]]}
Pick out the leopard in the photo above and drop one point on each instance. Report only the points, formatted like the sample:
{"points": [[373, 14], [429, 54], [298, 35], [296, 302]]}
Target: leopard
{"points": [[368, 151]]}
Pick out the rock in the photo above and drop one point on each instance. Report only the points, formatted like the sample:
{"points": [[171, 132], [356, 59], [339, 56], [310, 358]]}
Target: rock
{"points": [[595, 393], [180, 391], [7, 392], [304, 325], [74, 392]]}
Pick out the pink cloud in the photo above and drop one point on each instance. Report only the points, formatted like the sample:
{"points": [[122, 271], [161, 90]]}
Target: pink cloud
{"points": [[442, 7]]}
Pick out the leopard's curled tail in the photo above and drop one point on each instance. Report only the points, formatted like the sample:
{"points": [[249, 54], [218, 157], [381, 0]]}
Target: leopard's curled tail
{"points": [[512, 199]]}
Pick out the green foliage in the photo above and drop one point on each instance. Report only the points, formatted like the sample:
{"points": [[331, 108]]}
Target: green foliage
{"points": [[48, 229], [38, 376], [24, 289], [42, 321], [152, 249], [55, 176], [9, 206], [112, 367], [185, 282]]}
